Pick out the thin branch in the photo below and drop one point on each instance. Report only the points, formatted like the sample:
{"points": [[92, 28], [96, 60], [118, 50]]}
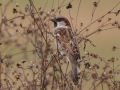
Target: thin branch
{"points": [[77, 14], [98, 18]]}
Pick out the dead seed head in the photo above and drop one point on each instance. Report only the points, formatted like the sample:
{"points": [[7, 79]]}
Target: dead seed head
{"points": [[0, 4], [114, 48], [23, 17], [69, 6], [11, 21], [87, 53], [96, 66], [18, 65], [23, 61], [17, 5], [39, 8], [41, 13], [15, 10], [4, 18], [116, 13], [94, 75], [95, 4], [116, 22], [17, 75], [109, 19], [27, 8], [81, 24], [52, 10], [87, 65], [99, 20]]}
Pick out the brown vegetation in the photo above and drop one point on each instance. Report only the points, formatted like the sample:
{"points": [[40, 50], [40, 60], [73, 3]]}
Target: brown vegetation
{"points": [[48, 70]]}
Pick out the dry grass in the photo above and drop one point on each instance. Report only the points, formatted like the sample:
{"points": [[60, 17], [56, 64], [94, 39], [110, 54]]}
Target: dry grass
{"points": [[48, 70]]}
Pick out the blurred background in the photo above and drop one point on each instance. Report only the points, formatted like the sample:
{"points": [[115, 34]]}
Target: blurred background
{"points": [[104, 41]]}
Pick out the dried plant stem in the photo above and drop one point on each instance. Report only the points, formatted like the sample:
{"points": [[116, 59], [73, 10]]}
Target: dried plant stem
{"points": [[53, 79], [43, 34], [99, 18], [0, 71], [67, 68], [77, 15]]}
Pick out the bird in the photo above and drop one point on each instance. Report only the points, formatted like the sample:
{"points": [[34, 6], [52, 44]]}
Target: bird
{"points": [[66, 43]]}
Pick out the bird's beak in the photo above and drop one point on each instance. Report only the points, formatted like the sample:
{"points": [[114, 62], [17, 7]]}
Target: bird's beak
{"points": [[53, 19]]}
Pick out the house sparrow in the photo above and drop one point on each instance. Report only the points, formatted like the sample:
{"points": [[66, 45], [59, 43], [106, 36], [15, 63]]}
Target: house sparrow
{"points": [[66, 43]]}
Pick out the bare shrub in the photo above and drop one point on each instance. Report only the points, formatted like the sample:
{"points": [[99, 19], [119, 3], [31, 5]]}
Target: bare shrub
{"points": [[33, 63]]}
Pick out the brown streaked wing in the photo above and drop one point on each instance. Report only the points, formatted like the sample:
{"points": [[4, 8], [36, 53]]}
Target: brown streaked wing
{"points": [[65, 38]]}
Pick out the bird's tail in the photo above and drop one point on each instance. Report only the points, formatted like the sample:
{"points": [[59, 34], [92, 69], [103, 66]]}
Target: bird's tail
{"points": [[74, 73]]}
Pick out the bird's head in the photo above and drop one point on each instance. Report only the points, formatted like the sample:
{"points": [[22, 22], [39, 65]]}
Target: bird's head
{"points": [[60, 21]]}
